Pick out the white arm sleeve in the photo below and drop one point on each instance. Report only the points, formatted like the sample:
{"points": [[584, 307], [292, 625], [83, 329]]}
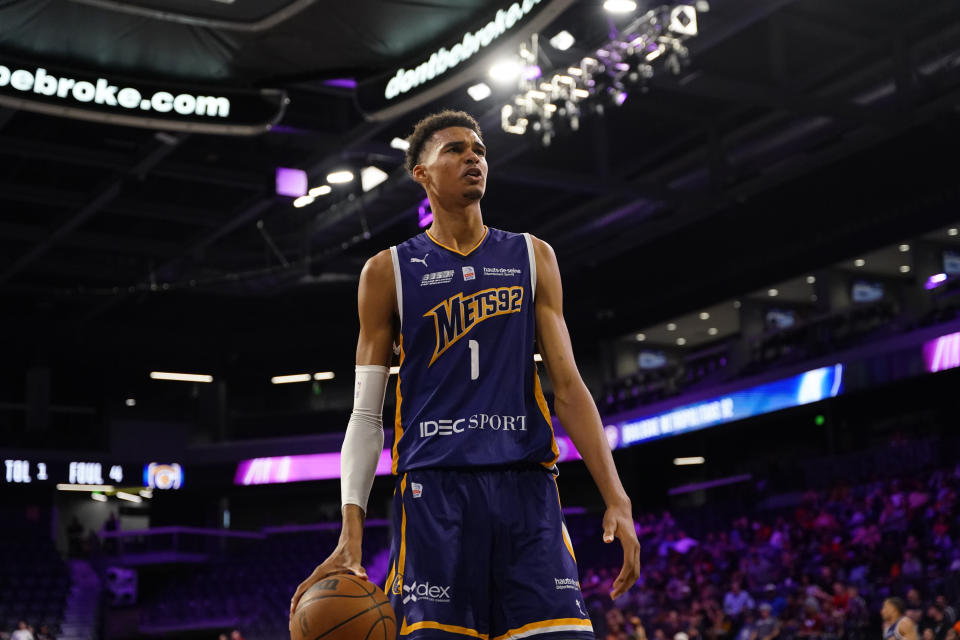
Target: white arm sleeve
{"points": [[363, 441]]}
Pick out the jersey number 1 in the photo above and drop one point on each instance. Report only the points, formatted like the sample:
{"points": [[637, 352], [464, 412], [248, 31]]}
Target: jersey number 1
{"points": [[474, 359]]}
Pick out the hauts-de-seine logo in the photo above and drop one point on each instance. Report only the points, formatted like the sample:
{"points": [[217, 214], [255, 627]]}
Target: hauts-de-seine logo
{"points": [[457, 315]]}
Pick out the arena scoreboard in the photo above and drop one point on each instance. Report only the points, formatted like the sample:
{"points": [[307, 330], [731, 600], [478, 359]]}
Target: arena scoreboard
{"points": [[67, 474]]}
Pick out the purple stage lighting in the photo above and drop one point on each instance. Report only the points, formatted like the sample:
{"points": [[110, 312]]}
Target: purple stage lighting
{"points": [[935, 281], [342, 83], [326, 466], [620, 98], [291, 182], [425, 215], [532, 72], [942, 353], [282, 469]]}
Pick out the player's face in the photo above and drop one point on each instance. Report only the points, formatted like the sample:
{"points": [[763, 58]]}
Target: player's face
{"points": [[887, 611], [454, 165]]}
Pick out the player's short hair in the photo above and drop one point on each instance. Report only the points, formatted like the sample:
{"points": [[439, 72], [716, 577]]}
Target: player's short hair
{"points": [[425, 129], [897, 603]]}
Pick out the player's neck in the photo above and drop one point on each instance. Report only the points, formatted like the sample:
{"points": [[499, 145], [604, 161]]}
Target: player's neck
{"points": [[461, 230]]}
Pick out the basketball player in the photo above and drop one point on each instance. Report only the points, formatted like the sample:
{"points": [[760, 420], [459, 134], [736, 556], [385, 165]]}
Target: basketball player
{"points": [[480, 547], [896, 625]]}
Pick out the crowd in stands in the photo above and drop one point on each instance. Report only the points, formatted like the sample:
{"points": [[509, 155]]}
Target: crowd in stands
{"points": [[33, 584], [819, 570], [778, 346]]}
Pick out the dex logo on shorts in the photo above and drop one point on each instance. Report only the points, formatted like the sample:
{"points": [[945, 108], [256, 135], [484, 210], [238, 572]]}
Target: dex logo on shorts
{"points": [[478, 421], [425, 591]]}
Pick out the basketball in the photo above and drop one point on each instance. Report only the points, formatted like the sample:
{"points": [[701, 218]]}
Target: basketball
{"points": [[343, 607]]}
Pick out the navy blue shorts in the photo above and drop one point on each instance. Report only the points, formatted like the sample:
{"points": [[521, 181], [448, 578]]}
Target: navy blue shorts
{"points": [[483, 553]]}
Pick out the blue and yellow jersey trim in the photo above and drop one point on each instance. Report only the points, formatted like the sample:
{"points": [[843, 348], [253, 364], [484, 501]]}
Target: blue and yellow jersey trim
{"points": [[460, 253]]}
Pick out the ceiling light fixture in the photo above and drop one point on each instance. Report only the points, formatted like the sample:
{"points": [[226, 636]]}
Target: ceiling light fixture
{"points": [[681, 341], [935, 281], [370, 177], [952, 231], [180, 377], [681, 462], [324, 375], [506, 70], [620, 6], [641, 337], [322, 190], [811, 280], [773, 293], [84, 487], [479, 91], [904, 248], [296, 377], [303, 201], [340, 177], [859, 262], [399, 143], [671, 327], [129, 497], [712, 331], [904, 268], [704, 315], [562, 41]]}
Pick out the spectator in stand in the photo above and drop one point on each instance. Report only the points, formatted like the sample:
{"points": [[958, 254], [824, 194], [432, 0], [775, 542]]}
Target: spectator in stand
{"points": [[736, 601], [913, 607], [912, 567], [812, 623], [236, 635], [747, 629], [43, 633], [23, 632], [766, 627]]}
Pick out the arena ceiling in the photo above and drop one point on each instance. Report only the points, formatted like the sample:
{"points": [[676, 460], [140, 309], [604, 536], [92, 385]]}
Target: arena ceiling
{"points": [[802, 130]]}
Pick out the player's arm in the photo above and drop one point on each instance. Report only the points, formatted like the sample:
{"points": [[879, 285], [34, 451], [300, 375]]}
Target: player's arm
{"points": [[578, 414], [363, 441], [907, 629]]}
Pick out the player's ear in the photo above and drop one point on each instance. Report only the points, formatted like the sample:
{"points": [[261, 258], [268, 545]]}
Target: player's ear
{"points": [[420, 175]]}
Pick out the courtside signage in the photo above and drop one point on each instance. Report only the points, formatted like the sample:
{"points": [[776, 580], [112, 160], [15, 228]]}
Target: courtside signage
{"points": [[104, 98], [811, 386], [326, 466], [942, 353]]}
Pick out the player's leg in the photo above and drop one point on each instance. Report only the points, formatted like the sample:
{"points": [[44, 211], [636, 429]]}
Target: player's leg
{"points": [[536, 586], [439, 568]]}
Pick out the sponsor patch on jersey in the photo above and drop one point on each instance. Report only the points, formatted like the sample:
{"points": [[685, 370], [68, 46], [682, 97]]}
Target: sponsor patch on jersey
{"points": [[469, 274], [417, 489], [437, 277], [502, 271]]}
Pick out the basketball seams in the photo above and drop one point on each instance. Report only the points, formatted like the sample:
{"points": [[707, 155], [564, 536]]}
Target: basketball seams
{"points": [[343, 622], [376, 607], [374, 626]]}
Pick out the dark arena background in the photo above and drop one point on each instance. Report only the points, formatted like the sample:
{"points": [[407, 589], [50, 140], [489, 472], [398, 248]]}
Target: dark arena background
{"points": [[754, 206]]}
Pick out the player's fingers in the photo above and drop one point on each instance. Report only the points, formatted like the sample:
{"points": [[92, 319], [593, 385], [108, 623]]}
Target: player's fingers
{"points": [[296, 596], [359, 571], [609, 529]]}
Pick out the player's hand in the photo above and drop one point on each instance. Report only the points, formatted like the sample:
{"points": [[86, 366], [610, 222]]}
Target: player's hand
{"points": [[618, 523], [344, 559]]}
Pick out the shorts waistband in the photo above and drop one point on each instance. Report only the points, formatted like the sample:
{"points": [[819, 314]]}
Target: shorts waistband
{"points": [[486, 468]]}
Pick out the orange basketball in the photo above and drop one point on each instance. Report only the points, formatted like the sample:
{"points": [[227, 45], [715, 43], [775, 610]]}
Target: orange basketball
{"points": [[343, 607]]}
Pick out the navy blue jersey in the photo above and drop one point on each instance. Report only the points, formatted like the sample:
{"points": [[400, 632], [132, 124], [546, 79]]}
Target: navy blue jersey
{"points": [[468, 393]]}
